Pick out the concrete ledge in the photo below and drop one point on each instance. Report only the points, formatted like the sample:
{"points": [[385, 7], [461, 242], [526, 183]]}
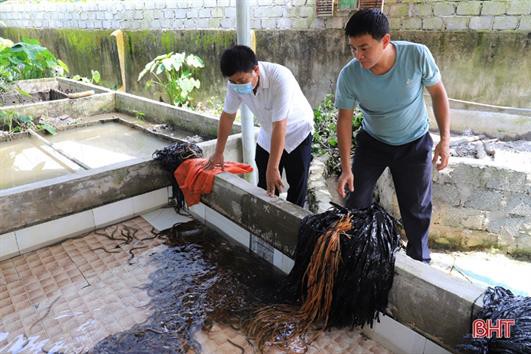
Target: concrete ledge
{"points": [[78, 86], [53, 231], [160, 112], [272, 219], [43, 201], [80, 107], [422, 298]]}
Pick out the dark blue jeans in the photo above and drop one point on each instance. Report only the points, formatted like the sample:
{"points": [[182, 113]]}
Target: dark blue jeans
{"points": [[411, 168], [297, 166]]}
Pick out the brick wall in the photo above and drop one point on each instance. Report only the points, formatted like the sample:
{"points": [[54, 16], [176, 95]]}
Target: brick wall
{"points": [[431, 15]]}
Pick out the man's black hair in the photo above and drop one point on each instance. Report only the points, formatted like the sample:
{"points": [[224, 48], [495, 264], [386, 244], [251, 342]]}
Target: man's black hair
{"points": [[237, 59], [367, 21]]}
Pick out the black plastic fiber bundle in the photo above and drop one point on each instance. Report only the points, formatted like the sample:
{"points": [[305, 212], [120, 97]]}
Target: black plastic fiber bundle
{"points": [[500, 304], [366, 271], [171, 157]]}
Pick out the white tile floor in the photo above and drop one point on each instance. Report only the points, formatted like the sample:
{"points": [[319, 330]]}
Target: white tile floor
{"points": [[69, 296], [164, 218]]}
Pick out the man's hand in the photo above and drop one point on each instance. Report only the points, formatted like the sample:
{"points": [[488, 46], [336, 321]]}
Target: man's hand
{"points": [[274, 181], [346, 180], [215, 160], [441, 154]]}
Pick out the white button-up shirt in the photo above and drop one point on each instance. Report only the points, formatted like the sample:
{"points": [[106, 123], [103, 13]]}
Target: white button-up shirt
{"points": [[278, 97]]}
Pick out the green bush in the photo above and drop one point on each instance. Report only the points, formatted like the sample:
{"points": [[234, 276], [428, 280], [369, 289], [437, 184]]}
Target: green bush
{"points": [[28, 60], [174, 75], [12, 122], [325, 135]]}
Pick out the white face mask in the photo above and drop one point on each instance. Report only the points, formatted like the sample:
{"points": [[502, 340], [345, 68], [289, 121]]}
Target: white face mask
{"points": [[241, 89]]}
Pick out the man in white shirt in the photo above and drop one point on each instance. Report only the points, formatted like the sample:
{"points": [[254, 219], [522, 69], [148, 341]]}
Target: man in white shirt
{"points": [[286, 120]]}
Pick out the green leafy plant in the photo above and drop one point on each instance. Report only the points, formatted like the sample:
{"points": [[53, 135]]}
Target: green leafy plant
{"points": [[28, 60], [95, 77], [12, 122], [174, 75], [139, 115], [325, 135], [5, 43]]}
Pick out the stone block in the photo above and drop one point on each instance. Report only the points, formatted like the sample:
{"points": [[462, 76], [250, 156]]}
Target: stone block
{"points": [[214, 23], [461, 217], [202, 23], [230, 12], [255, 23], [443, 9], [455, 238], [268, 23], [519, 204], [306, 11], [505, 22], [480, 23], [456, 23], [446, 193], [525, 23], [217, 12], [204, 13], [317, 23], [228, 23], [469, 8], [412, 23], [259, 12], [399, 10], [177, 13], [504, 179], [395, 23], [494, 8], [519, 7], [422, 9], [275, 11], [284, 23], [192, 13], [335, 22], [489, 200], [169, 14]]}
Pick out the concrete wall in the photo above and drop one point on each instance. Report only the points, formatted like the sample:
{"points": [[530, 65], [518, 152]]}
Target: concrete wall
{"points": [[475, 206], [487, 67], [456, 15], [481, 46]]}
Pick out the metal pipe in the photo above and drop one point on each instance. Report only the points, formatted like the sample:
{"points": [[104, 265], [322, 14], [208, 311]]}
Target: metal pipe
{"points": [[243, 31]]}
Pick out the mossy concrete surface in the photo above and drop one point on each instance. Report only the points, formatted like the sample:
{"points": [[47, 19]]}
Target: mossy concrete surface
{"points": [[487, 67], [81, 50]]}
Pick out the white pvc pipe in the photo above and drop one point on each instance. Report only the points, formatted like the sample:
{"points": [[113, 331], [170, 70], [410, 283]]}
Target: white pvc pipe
{"points": [[243, 30]]}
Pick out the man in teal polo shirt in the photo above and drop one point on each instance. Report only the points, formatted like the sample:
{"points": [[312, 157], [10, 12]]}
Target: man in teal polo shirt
{"points": [[386, 80]]}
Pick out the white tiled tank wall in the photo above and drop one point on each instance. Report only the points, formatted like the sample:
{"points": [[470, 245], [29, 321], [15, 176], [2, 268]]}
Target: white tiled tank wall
{"points": [[40, 235]]}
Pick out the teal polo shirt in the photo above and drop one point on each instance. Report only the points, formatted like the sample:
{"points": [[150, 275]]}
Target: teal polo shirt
{"points": [[393, 103]]}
